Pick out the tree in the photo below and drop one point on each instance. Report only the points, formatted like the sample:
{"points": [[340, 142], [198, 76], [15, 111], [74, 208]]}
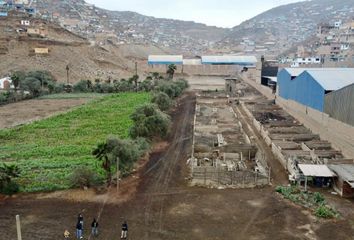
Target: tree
{"points": [[149, 122], [171, 70], [155, 75], [103, 153], [33, 85], [162, 100], [114, 149], [16, 78], [135, 80]]}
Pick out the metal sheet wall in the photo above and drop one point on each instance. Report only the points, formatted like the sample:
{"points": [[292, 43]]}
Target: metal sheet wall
{"points": [[303, 89], [340, 105]]}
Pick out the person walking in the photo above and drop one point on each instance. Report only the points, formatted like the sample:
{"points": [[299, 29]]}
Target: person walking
{"points": [[124, 230], [80, 219], [79, 231], [94, 227]]}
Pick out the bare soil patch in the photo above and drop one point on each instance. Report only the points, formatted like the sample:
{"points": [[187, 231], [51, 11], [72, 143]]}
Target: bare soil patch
{"points": [[33, 110]]}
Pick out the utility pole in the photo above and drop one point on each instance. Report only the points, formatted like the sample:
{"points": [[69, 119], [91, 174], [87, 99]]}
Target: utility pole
{"points": [[18, 226], [136, 68], [67, 73]]}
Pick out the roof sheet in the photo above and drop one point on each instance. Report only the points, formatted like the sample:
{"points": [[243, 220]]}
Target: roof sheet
{"points": [[345, 171], [333, 79], [165, 58], [294, 72], [311, 170], [229, 59]]}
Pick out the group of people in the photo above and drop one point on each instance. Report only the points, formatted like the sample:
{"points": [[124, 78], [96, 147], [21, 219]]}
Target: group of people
{"points": [[94, 228]]}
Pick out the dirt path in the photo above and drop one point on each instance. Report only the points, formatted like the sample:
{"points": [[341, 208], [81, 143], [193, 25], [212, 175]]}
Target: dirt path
{"points": [[165, 208], [278, 174]]}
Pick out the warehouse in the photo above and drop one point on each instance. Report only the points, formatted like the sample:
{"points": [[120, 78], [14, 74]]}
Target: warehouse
{"points": [[311, 86], [339, 105], [165, 59], [245, 61], [284, 79]]}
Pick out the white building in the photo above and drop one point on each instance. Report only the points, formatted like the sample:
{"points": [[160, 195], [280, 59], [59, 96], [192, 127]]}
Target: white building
{"points": [[5, 83], [297, 62]]}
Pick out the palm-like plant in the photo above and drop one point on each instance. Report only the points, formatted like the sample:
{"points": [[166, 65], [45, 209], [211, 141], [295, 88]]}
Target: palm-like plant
{"points": [[171, 70], [102, 153]]}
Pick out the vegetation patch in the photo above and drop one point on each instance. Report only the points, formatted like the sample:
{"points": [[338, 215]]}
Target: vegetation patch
{"points": [[48, 152], [311, 200]]}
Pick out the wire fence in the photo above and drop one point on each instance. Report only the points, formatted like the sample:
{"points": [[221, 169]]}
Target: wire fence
{"points": [[211, 176]]}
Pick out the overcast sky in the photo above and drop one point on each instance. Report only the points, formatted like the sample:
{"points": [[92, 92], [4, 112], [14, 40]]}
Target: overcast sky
{"points": [[223, 13]]}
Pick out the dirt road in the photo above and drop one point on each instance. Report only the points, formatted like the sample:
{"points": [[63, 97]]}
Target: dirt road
{"points": [[164, 207]]}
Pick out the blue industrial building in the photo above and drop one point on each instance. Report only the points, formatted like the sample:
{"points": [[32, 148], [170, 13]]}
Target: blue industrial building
{"points": [[165, 59], [310, 86], [246, 61]]}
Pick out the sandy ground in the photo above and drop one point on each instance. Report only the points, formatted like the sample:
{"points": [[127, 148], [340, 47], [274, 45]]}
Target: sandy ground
{"points": [[32, 110], [206, 83], [162, 206]]}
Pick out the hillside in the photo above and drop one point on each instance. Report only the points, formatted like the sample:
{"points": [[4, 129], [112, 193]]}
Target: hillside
{"points": [[124, 27], [86, 60], [283, 27]]}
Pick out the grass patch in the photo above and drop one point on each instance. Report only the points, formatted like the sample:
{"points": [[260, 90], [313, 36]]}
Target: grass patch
{"points": [[311, 200], [48, 151]]}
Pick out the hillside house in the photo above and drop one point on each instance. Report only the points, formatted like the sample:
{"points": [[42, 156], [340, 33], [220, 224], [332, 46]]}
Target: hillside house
{"points": [[5, 83]]}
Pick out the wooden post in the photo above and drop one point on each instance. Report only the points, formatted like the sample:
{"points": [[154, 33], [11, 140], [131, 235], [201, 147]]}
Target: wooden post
{"points": [[18, 226], [305, 183], [269, 175], [205, 171]]}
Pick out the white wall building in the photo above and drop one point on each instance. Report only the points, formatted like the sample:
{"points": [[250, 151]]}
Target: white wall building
{"points": [[298, 62]]}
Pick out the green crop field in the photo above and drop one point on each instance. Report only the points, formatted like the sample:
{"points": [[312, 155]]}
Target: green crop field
{"points": [[47, 151]]}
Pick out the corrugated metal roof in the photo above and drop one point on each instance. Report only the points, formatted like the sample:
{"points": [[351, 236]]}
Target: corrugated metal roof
{"points": [[166, 58], [345, 171], [229, 59], [294, 72], [273, 79], [333, 79], [311, 170]]}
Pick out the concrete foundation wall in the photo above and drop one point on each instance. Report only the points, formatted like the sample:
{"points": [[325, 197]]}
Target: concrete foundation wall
{"points": [[341, 135]]}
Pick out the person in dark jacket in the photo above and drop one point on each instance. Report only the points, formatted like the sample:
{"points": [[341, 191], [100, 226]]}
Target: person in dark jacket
{"points": [[80, 219], [124, 230], [79, 231], [94, 227]]}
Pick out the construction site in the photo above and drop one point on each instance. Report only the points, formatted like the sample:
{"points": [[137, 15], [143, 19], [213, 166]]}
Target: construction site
{"points": [[223, 153]]}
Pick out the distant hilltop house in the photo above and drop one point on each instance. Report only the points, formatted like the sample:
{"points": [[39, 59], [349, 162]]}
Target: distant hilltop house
{"points": [[37, 32], [5, 83]]}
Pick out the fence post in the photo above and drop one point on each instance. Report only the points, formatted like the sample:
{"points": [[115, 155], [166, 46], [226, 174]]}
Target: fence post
{"points": [[205, 171], [232, 177], [18, 226], [218, 176], [269, 175], [255, 178]]}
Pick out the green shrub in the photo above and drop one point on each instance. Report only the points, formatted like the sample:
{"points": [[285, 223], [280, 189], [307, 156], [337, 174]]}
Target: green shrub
{"points": [[10, 188], [318, 198], [81, 86], [162, 100], [149, 122], [324, 211], [83, 177]]}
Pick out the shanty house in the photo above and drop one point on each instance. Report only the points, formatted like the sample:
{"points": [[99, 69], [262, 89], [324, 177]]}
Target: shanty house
{"points": [[344, 183]]}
